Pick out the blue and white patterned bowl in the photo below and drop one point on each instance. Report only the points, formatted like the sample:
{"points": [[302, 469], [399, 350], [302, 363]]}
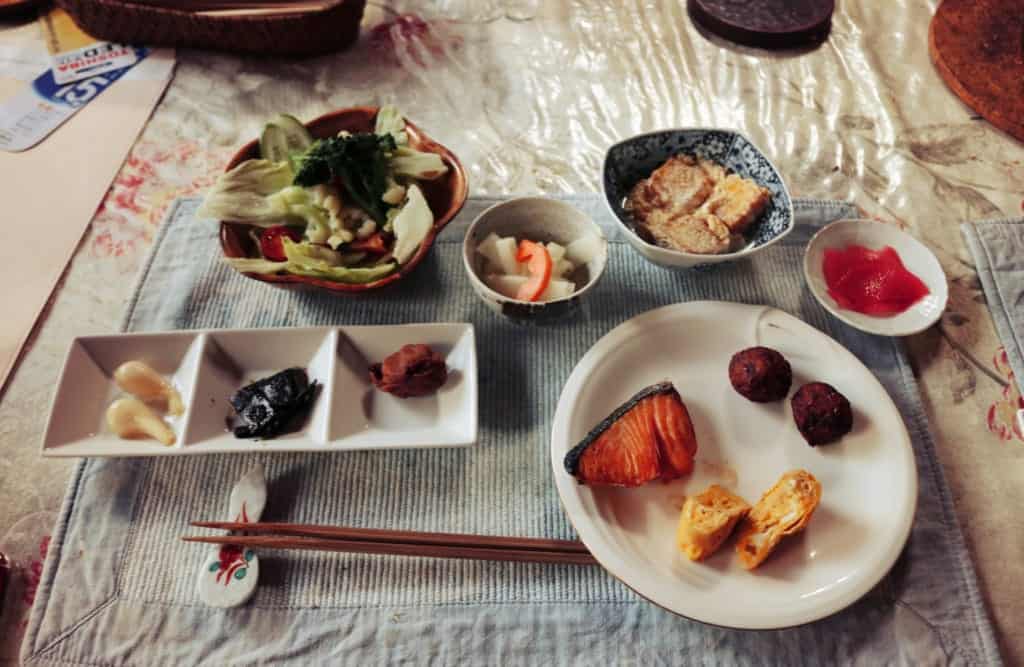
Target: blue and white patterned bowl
{"points": [[633, 159]]}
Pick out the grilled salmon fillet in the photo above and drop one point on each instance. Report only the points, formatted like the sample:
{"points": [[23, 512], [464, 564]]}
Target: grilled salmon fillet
{"points": [[783, 510], [707, 520], [648, 437]]}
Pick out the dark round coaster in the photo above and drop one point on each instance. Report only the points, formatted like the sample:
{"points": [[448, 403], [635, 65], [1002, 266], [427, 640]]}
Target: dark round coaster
{"points": [[766, 24]]}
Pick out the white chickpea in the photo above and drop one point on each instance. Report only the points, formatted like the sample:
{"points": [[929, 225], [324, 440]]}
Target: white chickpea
{"points": [[366, 230]]}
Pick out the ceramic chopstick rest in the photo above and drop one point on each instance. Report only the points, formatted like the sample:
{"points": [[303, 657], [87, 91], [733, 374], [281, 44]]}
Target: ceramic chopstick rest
{"points": [[229, 575]]}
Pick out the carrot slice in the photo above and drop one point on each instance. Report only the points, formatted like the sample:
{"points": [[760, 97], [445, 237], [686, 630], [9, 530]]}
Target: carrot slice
{"points": [[539, 264]]}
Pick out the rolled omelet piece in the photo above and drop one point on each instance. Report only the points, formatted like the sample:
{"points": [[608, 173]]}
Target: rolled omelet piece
{"points": [[783, 510], [707, 519]]}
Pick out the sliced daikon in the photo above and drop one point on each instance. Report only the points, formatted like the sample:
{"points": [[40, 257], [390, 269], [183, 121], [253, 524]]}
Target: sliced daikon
{"points": [[563, 268], [500, 253], [509, 286], [584, 249], [558, 289], [506, 248], [505, 285], [489, 248], [556, 251]]}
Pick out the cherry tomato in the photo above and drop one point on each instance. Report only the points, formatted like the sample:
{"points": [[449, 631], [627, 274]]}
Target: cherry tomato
{"points": [[270, 241], [374, 244]]}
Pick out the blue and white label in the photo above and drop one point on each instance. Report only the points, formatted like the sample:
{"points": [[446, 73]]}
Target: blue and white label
{"points": [[30, 116], [98, 58]]}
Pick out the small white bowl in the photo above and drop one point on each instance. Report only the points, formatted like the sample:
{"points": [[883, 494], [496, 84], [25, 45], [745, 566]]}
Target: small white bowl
{"points": [[537, 219], [918, 259]]}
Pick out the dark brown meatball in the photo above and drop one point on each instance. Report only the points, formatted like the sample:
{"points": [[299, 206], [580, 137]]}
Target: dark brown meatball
{"points": [[760, 374], [822, 414]]}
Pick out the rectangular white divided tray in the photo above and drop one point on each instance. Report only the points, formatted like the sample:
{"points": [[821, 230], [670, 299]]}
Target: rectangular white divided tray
{"points": [[208, 366]]}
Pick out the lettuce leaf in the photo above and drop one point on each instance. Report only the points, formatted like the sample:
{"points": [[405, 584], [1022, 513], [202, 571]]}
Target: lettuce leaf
{"points": [[390, 121], [307, 260], [416, 164], [255, 265], [411, 225], [260, 193], [244, 194]]}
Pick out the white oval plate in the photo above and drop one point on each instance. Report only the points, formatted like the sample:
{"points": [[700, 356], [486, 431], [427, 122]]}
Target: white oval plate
{"points": [[918, 259], [869, 478]]}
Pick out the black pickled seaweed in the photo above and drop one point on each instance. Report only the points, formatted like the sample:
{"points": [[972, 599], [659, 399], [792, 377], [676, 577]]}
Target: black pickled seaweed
{"points": [[573, 456], [269, 407]]}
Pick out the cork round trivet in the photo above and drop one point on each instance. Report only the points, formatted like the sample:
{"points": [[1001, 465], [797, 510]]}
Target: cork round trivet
{"points": [[978, 48]]}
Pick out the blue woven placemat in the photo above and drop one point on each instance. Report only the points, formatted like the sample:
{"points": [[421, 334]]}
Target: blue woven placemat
{"points": [[118, 587], [998, 250]]}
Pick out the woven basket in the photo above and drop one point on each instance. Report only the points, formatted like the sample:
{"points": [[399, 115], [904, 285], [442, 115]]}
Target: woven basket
{"points": [[299, 34]]}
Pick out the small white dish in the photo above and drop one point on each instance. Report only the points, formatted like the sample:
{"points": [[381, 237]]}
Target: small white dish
{"points": [[869, 477], [918, 259], [207, 367], [537, 219]]}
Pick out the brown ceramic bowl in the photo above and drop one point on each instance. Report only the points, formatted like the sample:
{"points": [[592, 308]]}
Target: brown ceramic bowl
{"points": [[445, 196]]}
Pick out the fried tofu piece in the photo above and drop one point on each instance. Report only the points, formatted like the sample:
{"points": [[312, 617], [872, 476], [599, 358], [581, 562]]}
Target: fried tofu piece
{"points": [[695, 205], [698, 233], [676, 188], [715, 172], [783, 510], [707, 519], [737, 202]]}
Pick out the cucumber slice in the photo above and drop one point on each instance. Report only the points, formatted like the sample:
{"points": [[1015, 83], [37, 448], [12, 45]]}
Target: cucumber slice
{"points": [[273, 144], [299, 138], [283, 137]]}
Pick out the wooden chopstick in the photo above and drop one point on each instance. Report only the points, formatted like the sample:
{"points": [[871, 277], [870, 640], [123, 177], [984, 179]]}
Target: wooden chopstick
{"points": [[399, 548], [396, 542], [409, 537]]}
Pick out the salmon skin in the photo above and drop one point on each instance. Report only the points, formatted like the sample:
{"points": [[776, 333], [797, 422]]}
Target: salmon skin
{"points": [[648, 437]]}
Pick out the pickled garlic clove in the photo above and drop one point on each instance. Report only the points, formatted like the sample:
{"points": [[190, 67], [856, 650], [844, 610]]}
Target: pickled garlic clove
{"points": [[138, 379], [131, 418]]}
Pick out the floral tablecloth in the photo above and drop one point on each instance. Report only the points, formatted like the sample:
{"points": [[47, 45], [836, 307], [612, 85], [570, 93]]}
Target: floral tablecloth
{"points": [[529, 105]]}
